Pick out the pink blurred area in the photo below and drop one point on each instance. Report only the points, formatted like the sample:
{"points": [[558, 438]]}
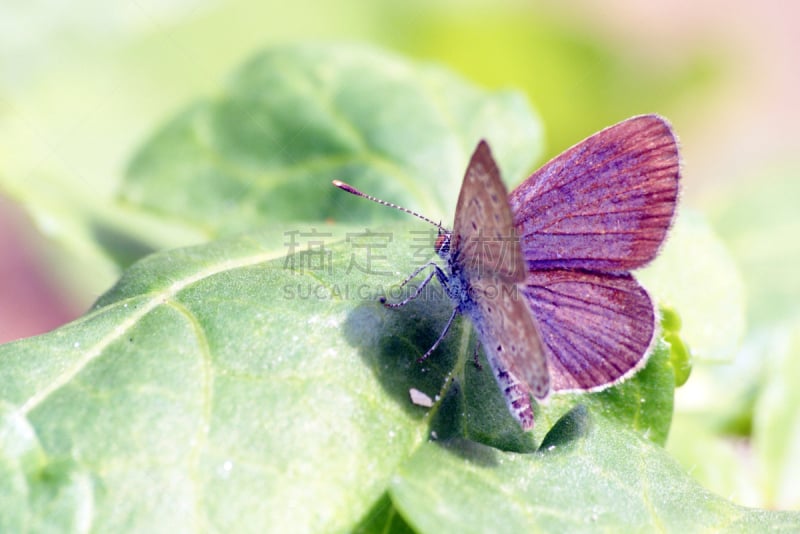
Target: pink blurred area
{"points": [[30, 299], [752, 120]]}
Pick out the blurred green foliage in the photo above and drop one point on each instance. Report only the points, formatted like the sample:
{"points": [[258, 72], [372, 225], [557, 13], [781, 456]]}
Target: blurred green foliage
{"points": [[579, 82]]}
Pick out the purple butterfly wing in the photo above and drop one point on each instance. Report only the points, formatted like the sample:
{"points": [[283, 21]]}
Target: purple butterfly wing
{"points": [[483, 236], [597, 327], [605, 204]]}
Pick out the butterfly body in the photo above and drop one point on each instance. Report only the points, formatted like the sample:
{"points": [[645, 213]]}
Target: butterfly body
{"points": [[485, 271], [458, 287]]}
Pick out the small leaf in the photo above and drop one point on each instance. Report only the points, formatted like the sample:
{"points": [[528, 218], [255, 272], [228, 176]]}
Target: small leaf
{"points": [[383, 518], [679, 355], [572, 426], [642, 403]]}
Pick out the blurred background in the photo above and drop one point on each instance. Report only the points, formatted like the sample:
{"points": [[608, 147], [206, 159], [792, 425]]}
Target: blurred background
{"points": [[84, 83]]}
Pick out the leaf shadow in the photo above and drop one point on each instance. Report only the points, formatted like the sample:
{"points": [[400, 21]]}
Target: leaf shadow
{"points": [[571, 427], [391, 340], [122, 247], [472, 451]]}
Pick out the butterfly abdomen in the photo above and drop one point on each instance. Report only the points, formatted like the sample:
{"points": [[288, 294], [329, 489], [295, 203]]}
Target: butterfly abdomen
{"points": [[515, 394]]}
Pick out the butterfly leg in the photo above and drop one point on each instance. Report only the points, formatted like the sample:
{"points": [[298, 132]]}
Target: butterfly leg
{"points": [[436, 271], [417, 271], [441, 337], [443, 279]]}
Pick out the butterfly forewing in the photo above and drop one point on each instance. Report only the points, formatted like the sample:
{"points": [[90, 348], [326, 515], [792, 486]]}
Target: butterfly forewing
{"points": [[486, 255], [483, 232], [604, 204]]}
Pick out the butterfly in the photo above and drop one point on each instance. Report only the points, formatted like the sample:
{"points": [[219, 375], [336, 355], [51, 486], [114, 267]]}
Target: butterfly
{"points": [[544, 272]]}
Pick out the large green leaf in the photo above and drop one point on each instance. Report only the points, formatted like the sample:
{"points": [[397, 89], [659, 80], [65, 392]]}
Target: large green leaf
{"points": [[202, 393], [229, 387], [596, 478]]}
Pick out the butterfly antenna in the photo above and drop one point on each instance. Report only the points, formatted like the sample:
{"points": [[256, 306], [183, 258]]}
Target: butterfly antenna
{"points": [[353, 191]]}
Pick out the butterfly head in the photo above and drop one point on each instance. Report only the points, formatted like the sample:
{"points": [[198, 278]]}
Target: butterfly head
{"points": [[442, 244]]}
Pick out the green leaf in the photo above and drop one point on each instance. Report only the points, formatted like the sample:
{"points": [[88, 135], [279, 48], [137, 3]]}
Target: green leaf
{"points": [[202, 387], [294, 118], [776, 421], [600, 478]]}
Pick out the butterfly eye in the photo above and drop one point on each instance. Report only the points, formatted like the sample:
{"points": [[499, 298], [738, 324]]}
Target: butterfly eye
{"points": [[442, 245]]}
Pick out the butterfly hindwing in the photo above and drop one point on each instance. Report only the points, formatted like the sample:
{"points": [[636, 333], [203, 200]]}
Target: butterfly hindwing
{"points": [[597, 327], [509, 333]]}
